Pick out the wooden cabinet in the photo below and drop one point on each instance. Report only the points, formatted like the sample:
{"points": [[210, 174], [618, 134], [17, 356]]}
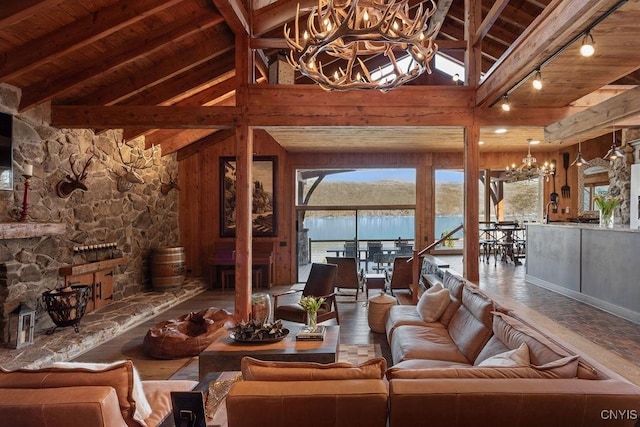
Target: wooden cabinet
{"points": [[98, 276]]}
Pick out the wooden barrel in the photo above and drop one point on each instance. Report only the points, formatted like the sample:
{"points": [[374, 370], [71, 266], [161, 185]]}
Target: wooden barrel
{"points": [[167, 268]]}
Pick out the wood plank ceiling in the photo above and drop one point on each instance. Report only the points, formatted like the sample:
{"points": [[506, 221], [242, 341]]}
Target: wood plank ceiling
{"points": [[181, 53]]}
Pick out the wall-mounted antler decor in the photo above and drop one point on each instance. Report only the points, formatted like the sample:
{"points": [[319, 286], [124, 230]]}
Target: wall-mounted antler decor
{"points": [[138, 160], [65, 187], [166, 187]]}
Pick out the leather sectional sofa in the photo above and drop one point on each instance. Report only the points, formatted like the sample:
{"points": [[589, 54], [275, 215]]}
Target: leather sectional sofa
{"points": [[478, 364], [454, 370]]}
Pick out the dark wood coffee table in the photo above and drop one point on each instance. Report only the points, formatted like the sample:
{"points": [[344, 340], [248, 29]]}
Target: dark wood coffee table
{"points": [[224, 354]]}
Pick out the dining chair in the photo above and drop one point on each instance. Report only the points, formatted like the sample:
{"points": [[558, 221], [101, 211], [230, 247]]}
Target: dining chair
{"points": [[348, 276], [401, 276], [320, 283]]}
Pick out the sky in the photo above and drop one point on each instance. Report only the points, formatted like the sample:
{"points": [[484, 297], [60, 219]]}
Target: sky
{"points": [[403, 175]]}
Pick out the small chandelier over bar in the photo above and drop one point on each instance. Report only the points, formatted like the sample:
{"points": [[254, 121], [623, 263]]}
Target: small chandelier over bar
{"points": [[529, 168], [347, 33]]}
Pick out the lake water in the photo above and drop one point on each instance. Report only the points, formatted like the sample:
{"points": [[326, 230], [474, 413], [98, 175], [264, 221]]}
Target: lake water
{"points": [[373, 227]]}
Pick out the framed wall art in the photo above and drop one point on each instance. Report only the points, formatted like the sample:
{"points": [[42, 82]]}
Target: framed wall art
{"points": [[264, 196]]}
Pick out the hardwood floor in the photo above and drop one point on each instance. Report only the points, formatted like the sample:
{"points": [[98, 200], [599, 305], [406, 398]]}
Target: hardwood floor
{"points": [[613, 341], [353, 319]]}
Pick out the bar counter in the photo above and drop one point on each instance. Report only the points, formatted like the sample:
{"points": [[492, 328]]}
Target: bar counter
{"points": [[595, 265]]}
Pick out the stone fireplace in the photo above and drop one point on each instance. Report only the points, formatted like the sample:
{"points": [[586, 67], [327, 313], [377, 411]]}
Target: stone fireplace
{"points": [[135, 221]]}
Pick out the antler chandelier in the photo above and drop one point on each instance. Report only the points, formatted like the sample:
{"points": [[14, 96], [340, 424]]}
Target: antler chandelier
{"points": [[530, 168], [350, 32]]}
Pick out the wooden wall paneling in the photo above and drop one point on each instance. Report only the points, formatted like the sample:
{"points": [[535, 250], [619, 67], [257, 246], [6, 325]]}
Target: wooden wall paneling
{"points": [[189, 217]]}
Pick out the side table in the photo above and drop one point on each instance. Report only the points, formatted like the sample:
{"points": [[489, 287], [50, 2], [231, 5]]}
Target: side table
{"points": [[375, 281]]}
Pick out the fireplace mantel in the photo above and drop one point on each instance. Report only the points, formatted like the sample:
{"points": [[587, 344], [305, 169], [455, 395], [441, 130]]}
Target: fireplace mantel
{"points": [[25, 230]]}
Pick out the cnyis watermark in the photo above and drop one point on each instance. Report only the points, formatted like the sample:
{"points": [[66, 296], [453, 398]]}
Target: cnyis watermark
{"points": [[619, 414]]}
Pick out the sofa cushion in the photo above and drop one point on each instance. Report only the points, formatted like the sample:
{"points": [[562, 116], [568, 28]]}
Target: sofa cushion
{"points": [[492, 347], [450, 311], [424, 342], [143, 408], [427, 364], [517, 357], [433, 303], [454, 283], [259, 370], [119, 376], [470, 327], [399, 315], [561, 371], [512, 332]]}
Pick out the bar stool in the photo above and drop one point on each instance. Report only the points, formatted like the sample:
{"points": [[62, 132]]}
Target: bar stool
{"points": [[229, 274]]}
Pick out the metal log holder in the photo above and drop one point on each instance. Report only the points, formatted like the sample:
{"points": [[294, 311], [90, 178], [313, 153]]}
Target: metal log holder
{"points": [[66, 306]]}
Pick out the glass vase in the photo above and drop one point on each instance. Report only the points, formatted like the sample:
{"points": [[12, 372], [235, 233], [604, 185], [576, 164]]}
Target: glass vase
{"points": [[606, 219], [312, 320]]}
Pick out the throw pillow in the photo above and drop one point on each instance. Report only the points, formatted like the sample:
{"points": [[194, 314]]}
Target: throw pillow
{"points": [[259, 370], [433, 303], [143, 408], [517, 357]]}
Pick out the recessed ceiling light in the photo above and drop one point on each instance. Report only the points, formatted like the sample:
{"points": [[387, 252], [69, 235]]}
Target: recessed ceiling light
{"points": [[500, 130], [534, 142], [480, 142]]}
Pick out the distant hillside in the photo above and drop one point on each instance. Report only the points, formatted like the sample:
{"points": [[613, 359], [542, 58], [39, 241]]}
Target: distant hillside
{"points": [[520, 197]]}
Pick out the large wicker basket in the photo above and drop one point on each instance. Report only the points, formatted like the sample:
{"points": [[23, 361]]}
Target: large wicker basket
{"points": [[379, 306]]}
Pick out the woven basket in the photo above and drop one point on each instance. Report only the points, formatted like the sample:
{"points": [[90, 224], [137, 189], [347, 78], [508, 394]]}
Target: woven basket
{"points": [[379, 306]]}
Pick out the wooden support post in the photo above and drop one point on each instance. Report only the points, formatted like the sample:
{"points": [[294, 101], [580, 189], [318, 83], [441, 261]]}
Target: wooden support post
{"points": [[473, 60], [244, 185]]}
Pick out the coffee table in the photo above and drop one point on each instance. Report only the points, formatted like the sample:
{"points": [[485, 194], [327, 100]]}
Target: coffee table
{"points": [[224, 354]]}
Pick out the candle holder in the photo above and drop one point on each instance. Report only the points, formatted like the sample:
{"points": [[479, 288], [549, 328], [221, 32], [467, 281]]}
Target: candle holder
{"points": [[25, 199]]}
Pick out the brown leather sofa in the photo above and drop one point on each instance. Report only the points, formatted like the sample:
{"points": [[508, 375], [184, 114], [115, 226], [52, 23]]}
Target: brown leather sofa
{"points": [[309, 394], [103, 396], [452, 372]]}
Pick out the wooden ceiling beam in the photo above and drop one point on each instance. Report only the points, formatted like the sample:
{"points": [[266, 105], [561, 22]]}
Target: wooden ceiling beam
{"points": [[441, 13], [235, 15], [219, 43], [489, 20], [47, 89], [548, 32], [60, 83], [602, 115], [273, 16], [77, 34], [14, 11], [372, 115], [172, 140], [204, 143], [148, 117], [178, 85]]}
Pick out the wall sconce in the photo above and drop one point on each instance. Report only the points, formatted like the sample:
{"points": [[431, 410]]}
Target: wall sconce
{"points": [[22, 322]]}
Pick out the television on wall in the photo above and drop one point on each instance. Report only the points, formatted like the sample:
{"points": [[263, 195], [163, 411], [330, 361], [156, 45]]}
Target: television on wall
{"points": [[6, 160]]}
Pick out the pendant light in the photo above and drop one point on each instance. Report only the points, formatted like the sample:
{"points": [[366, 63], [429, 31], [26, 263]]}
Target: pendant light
{"points": [[614, 152], [580, 161]]}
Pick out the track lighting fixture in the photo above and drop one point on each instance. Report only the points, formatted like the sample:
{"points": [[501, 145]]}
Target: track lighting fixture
{"points": [[587, 48], [506, 106], [537, 80]]}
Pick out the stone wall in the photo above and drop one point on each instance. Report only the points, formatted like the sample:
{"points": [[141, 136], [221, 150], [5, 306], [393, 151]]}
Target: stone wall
{"points": [[620, 177], [137, 220]]}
